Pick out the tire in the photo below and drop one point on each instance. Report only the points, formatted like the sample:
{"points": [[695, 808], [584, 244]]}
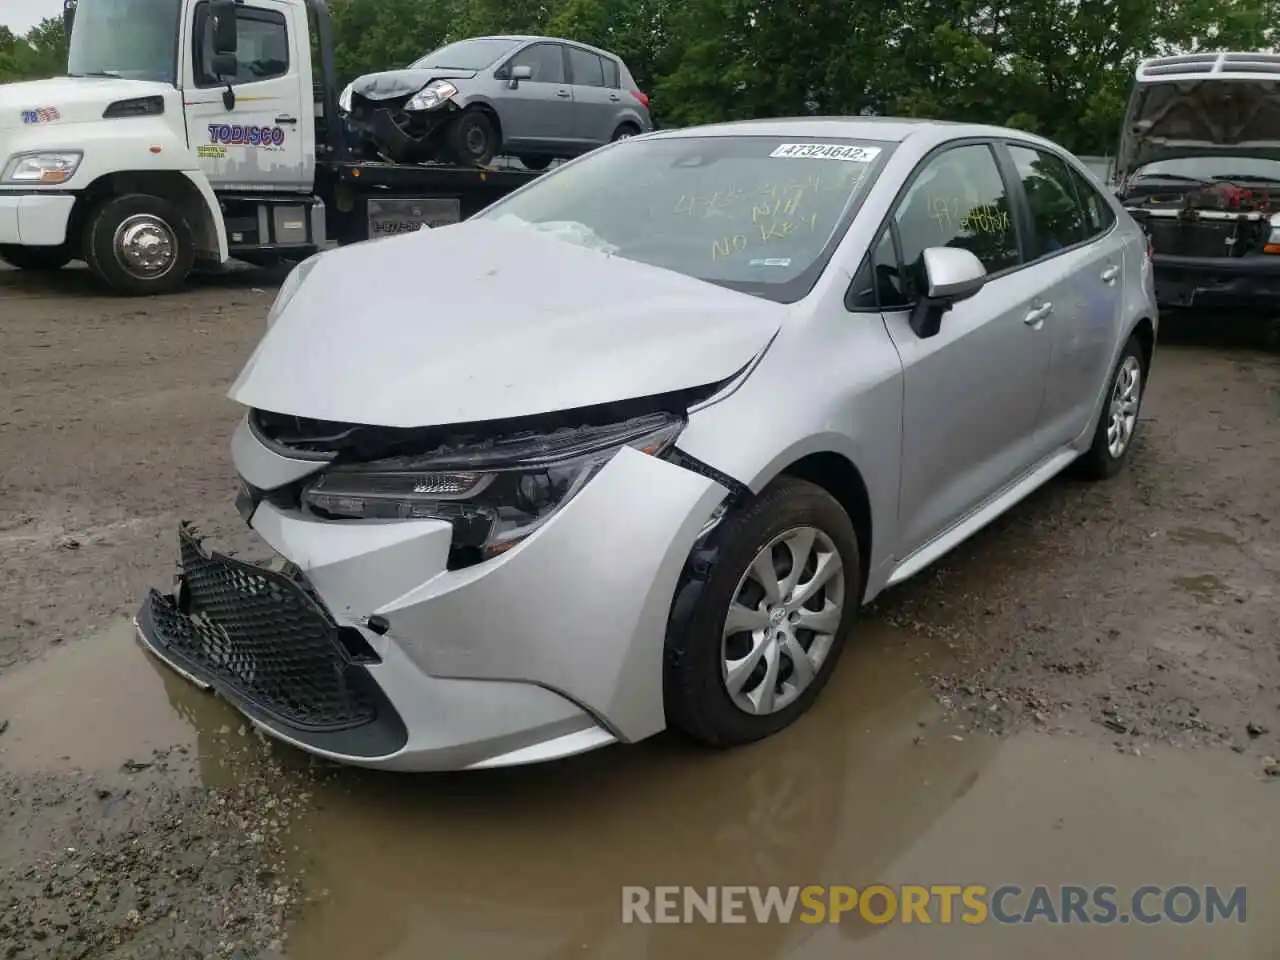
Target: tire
{"points": [[696, 684], [536, 163], [473, 138], [139, 245], [624, 131], [1103, 459], [35, 259]]}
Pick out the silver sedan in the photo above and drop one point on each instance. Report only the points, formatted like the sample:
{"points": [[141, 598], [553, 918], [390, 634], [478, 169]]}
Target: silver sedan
{"points": [[629, 449]]}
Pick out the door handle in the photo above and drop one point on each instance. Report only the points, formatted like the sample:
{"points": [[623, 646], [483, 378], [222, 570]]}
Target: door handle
{"points": [[1036, 314], [562, 93], [286, 119], [1109, 275], [614, 97]]}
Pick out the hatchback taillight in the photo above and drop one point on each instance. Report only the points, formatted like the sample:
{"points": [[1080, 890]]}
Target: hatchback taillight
{"points": [[642, 97]]}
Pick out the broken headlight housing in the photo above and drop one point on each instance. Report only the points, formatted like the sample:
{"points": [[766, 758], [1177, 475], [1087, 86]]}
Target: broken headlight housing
{"points": [[494, 493], [431, 96]]}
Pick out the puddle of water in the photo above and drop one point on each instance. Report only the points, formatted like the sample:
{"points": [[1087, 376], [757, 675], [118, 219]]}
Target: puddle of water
{"points": [[96, 704], [1204, 587], [529, 863], [1195, 535]]}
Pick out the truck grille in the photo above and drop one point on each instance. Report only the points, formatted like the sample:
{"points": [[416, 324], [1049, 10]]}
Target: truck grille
{"points": [[1200, 238], [258, 632]]}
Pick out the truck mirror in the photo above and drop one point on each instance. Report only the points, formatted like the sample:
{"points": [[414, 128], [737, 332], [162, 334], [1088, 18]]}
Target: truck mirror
{"points": [[68, 16], [224, 65], [222, 24]]}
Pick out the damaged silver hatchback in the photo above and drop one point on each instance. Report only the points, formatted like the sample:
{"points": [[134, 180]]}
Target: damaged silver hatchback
{"points": [[664, 419]]}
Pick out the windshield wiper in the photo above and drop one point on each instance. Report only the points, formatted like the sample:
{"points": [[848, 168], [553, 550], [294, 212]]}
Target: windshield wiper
{"points": [[1179, 177], [98, 73]]}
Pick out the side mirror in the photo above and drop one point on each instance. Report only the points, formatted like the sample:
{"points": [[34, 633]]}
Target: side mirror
{"points": [[68, 17], [222, 25], [522, 72], [951, 274]]}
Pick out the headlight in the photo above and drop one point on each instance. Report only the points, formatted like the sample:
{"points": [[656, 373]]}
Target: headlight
{"points": [[344, 99], [494, 493], [45, 167], [431, 96], [290, 287]]}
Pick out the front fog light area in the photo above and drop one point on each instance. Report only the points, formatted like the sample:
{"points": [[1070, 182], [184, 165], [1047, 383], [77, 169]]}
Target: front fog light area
{"points": [[494, 493]]}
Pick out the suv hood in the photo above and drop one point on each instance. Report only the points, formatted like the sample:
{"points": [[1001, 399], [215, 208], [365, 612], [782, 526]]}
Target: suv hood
{"points": [[485, 321], [392, 84], [76, 99], [1200, 118]]}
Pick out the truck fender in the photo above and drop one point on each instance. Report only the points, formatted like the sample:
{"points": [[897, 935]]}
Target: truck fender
{"points": [[188, 190], [212, 225]]}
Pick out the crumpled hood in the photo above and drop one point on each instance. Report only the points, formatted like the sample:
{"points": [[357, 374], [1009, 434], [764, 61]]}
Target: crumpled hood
{"points": [[76, 99], [484, 321], [393, 84], [1196, 119]]}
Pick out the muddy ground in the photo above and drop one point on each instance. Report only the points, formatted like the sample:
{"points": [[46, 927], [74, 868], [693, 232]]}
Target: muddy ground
{"points": [[1099, 668]]}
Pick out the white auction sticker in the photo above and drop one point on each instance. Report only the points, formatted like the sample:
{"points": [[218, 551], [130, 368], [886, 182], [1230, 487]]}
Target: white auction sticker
{"points": [[826, 151]]}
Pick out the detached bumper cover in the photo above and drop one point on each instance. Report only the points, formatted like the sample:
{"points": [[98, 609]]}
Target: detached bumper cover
{"points": [[400, 135], [261, 641]]}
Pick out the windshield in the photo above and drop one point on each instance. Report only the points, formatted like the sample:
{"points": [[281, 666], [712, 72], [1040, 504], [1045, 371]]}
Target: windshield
{"points": [[759, 214], [1217, 168], [466, 54], [132, 39]]}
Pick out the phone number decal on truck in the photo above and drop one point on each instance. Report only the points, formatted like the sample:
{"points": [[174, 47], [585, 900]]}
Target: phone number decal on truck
{"points": [[266, 137]]}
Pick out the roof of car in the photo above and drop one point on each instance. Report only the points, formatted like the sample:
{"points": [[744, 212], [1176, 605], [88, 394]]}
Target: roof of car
{"points": [[523, 38], [893, 129]]}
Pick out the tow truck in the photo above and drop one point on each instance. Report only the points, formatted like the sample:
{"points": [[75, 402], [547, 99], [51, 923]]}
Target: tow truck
{"points": [[190, 133]]}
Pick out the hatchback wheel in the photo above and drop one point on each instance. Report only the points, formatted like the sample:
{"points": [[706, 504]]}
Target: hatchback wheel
{"points": [[473, 138], [767, 630], [1118, 424]]}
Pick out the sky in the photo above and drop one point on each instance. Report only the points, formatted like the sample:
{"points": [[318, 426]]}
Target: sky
{"points": [[21, 15]]}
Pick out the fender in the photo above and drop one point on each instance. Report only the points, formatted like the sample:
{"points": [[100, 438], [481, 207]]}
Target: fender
{"points": [[135, 146]]}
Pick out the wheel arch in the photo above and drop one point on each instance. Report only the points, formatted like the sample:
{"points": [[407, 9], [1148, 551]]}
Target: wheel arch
{"points": [[186, 191], [1145, 333], [840, 477]]}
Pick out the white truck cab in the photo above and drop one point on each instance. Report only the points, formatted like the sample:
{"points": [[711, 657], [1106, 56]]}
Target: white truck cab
{"points": [[193, 132]]}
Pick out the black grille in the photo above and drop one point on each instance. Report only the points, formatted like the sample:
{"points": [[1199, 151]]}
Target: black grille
{"points": [[261, 634]]}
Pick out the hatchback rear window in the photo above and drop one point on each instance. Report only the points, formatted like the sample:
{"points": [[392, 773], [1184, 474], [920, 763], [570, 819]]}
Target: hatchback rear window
{"points": [[755, 213]]}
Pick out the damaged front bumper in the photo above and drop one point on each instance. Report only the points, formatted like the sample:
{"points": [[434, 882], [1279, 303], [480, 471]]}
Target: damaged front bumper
{"points": [[372, 652], [398, 134]]}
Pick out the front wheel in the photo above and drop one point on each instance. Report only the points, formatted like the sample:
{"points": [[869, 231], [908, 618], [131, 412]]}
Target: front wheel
{"points": [[766, 632], [139, 245], [36, 259], [1118, 424], [473, 138]]}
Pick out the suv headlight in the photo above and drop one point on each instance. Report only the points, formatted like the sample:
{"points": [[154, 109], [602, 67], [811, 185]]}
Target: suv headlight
{"points": [[47, 167], [494, 493], [344, 99], [431, 96]]}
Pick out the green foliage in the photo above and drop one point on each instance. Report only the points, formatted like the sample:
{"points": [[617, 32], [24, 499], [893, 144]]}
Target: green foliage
{"points": [[1061, 68], [41, 53]]}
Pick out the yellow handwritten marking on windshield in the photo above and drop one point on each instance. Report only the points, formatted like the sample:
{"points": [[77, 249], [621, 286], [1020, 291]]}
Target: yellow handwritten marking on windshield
{"points": [[709, 206], [727, 246]]}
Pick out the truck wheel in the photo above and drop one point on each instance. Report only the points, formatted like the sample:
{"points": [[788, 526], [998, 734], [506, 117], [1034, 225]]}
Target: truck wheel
{"points": [[35, 258], [139, 245], [473, 138]]}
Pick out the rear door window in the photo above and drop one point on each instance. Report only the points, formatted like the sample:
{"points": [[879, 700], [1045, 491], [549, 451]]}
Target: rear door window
{"points": [[586, 68], [1056, 214], [1098, 215]]}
